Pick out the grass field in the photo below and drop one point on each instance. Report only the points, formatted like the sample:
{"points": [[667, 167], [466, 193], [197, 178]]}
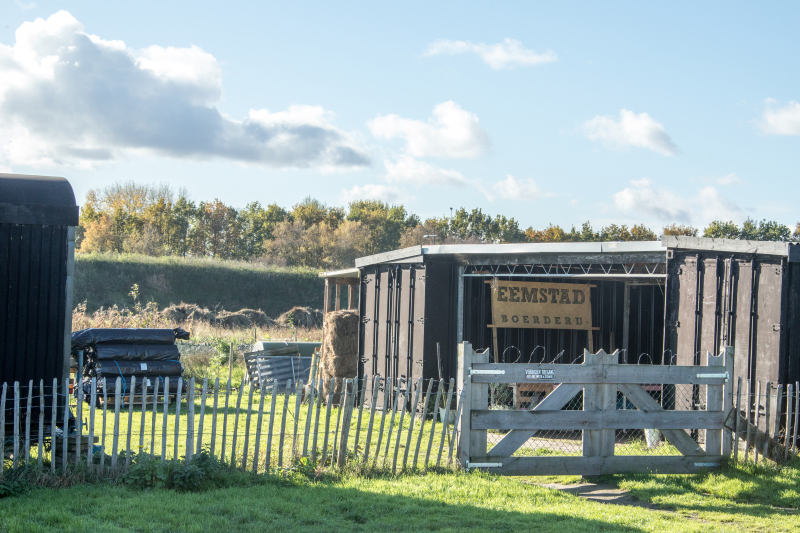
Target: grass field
{"points": [[103, 280], [735, 499]]}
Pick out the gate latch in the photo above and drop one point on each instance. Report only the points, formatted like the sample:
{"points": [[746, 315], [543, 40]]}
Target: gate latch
{"points": [[724, 376], [474, 372], [483, 465]]}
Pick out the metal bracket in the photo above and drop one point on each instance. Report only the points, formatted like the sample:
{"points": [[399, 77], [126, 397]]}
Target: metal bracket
{"points": [[724, 376], [473, 372], [776, 327], [484, 465]]}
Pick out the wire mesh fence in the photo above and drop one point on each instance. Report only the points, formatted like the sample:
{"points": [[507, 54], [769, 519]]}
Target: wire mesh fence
{"points": [[393, 425]]}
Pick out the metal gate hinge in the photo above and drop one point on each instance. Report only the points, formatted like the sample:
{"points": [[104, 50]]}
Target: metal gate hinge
{"points": [[473, 372], [776, 327], [723, 375], [484, 465], [365, 320], [422, 320]]}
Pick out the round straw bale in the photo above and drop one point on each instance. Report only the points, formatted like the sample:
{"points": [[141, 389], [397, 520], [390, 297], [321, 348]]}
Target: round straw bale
{"points": [[301, 317]]}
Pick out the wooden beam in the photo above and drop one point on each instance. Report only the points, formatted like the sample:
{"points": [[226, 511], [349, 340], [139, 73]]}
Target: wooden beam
{"points": [[597, 373], [596, 466], [677, 437], [596, 420]]}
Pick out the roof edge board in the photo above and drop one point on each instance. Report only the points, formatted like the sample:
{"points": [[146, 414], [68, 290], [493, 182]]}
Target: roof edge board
{"points": [[387, 257], [343, 273], [783, 249]]}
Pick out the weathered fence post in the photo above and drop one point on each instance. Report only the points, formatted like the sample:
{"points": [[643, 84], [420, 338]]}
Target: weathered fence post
{"points": [[3, 431], [727, 400], [190, 422], [376, 380], [714, 401], [465, 360], [346, 418]]}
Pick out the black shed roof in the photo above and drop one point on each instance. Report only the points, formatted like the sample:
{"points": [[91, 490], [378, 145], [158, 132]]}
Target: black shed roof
{"points": [[44, 200]]}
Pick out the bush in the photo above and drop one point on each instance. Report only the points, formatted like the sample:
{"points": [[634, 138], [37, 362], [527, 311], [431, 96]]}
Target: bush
{"points": [[148, 472]]}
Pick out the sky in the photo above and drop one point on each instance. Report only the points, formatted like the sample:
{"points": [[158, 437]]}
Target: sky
{"points": [[548, 112]]}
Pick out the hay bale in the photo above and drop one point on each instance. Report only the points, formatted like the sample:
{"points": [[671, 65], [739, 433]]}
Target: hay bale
{"points": [[340, 350], [184, 312], [301, 317]]}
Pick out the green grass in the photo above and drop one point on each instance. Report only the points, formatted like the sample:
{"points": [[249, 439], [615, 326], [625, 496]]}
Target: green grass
{"points": [[103, 280], [431, 502]]}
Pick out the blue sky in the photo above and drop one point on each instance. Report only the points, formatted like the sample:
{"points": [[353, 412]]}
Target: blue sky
{"points": [[547, 112]]}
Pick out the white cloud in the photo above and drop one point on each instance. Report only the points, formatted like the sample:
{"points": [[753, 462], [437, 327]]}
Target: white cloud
{"points": [[412, 171], [780, 120], [644, 198], [512, 188], [24, 6], [373, 191], [508, 54], [640, 131], [729, 180], [451, 132], [70, 98]]}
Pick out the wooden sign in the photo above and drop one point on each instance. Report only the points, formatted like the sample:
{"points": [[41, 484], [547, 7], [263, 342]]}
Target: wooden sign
{"points": [[526, 304]]}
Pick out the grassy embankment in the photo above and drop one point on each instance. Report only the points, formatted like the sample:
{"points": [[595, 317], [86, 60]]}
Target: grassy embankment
{"points": [[104, 280]]}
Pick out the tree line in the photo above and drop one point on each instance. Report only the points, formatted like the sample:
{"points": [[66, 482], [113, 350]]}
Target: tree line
{"points": [[154, 219]]}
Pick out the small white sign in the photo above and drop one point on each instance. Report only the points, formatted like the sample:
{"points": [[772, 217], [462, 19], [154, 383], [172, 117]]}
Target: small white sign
{"points": [[539, 374], [143, 366]]}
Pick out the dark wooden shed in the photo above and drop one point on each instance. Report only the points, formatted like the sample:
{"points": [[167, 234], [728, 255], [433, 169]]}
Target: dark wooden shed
{"points": [[662, 302], [38, 216]]}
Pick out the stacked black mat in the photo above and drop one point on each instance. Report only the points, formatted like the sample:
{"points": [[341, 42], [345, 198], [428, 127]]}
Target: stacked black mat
{"points": [[149, 354]]}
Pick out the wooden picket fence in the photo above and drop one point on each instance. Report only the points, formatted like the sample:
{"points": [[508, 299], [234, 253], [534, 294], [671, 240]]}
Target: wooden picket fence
{"points": [[373, 421]]}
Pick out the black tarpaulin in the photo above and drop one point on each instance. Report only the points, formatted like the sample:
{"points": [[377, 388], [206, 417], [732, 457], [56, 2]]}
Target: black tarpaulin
{"points": [[137, 352], [139, 369], [86, 338]]}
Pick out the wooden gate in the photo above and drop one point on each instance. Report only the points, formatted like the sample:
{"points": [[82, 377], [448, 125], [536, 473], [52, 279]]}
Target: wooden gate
{"points": [[613, 399]]}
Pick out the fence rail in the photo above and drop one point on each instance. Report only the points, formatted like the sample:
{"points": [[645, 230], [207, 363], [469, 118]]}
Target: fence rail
{"points": [[372, 421]]}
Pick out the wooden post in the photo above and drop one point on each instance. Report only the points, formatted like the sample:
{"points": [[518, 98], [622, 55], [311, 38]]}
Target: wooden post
{"points": [[93, 399], [727, 400], [591, 402], [190, 422], [298, 394], [360, 385], [247, 429], [202, 416], [777, 432], [452, 444], [788, 440], [376, 381], [3, 430], [346, 417], [465, 358], [154, 416], [331, 388], [755, 422], [257, 447], [283, 421], [225, 421], [27, 441], [387, 387], [131, 395], [177, 419], [164, 416], [767, 413], [53, 418], [351, 296], [737, 433], [115, 444], [414, 408], [426, 401], [40, 448], [396, 398], [142, 424], [749, 418], [236, 424], [309, 414], [272, 407], [796, 415], [334, 454], [65, 433], [446, 421], [338, 296], [402, 407], [439, 391], [714, 402], [318, 388], [214, 417]]}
